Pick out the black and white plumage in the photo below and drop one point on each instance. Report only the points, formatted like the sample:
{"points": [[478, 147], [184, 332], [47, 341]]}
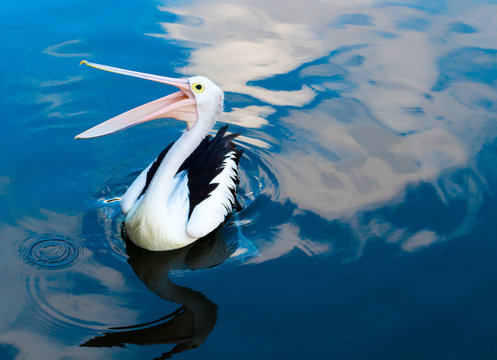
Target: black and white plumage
{"points": [[204, 190], [190, 189], [213, 156]]}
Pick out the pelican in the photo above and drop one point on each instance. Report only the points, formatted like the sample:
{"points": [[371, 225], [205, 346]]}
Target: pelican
{"points": [[190, 188]]}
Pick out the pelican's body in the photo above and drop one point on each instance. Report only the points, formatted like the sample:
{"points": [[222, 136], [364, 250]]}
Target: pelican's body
{"points": [[189, 190], [170, 205]]}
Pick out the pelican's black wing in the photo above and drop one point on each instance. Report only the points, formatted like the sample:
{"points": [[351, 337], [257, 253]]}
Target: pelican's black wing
{"points": [[206, 162]]}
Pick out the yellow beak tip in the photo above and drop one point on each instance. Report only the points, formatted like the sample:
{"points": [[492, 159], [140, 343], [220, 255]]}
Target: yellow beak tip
{"points": [[83, 62]]}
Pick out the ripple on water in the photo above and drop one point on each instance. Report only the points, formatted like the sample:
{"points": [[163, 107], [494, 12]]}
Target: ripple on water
{"points": [[256, 177], [56, 305], [50, 252], [110, 219]]}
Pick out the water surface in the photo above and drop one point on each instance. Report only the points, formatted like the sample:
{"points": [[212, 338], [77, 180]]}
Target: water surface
{"points": [[367, 183]]}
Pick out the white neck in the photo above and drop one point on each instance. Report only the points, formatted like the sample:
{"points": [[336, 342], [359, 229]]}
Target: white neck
{"points": [[179, 152]]}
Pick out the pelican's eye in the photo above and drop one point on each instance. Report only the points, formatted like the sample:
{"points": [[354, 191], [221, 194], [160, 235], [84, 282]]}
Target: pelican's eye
{"points": [[198, 87]]}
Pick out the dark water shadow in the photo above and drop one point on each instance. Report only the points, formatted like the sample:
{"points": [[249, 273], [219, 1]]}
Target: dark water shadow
{"points": [[189, 325]]}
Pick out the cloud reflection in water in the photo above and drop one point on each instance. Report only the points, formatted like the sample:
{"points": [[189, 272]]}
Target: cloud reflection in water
{"points": [[371, 98]]}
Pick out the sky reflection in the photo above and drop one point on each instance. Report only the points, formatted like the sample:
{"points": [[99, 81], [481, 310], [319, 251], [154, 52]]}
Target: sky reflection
{"points": [[367, 181], [375, 97]]}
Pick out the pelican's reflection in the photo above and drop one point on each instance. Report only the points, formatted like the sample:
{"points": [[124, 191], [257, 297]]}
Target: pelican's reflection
{"points": [[188, 326]]}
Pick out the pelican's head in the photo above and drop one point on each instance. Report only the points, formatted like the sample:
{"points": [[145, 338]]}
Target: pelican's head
{"points": [[208, 96], [198, 100]]}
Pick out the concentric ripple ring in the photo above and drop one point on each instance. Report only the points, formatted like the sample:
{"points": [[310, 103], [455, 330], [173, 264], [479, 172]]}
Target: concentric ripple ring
{"points": [[51, 253]]}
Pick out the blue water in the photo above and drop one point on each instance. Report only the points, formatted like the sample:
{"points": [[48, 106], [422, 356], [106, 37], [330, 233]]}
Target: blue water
{"points": [[367, 182]]}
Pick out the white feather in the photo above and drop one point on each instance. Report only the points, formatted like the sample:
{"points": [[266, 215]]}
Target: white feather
{"points": [[131, 195], [211, 212], [145, 222]]}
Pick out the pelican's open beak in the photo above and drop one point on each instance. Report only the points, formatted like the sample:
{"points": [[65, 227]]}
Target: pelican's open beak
{"points": [[180, 105]]}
